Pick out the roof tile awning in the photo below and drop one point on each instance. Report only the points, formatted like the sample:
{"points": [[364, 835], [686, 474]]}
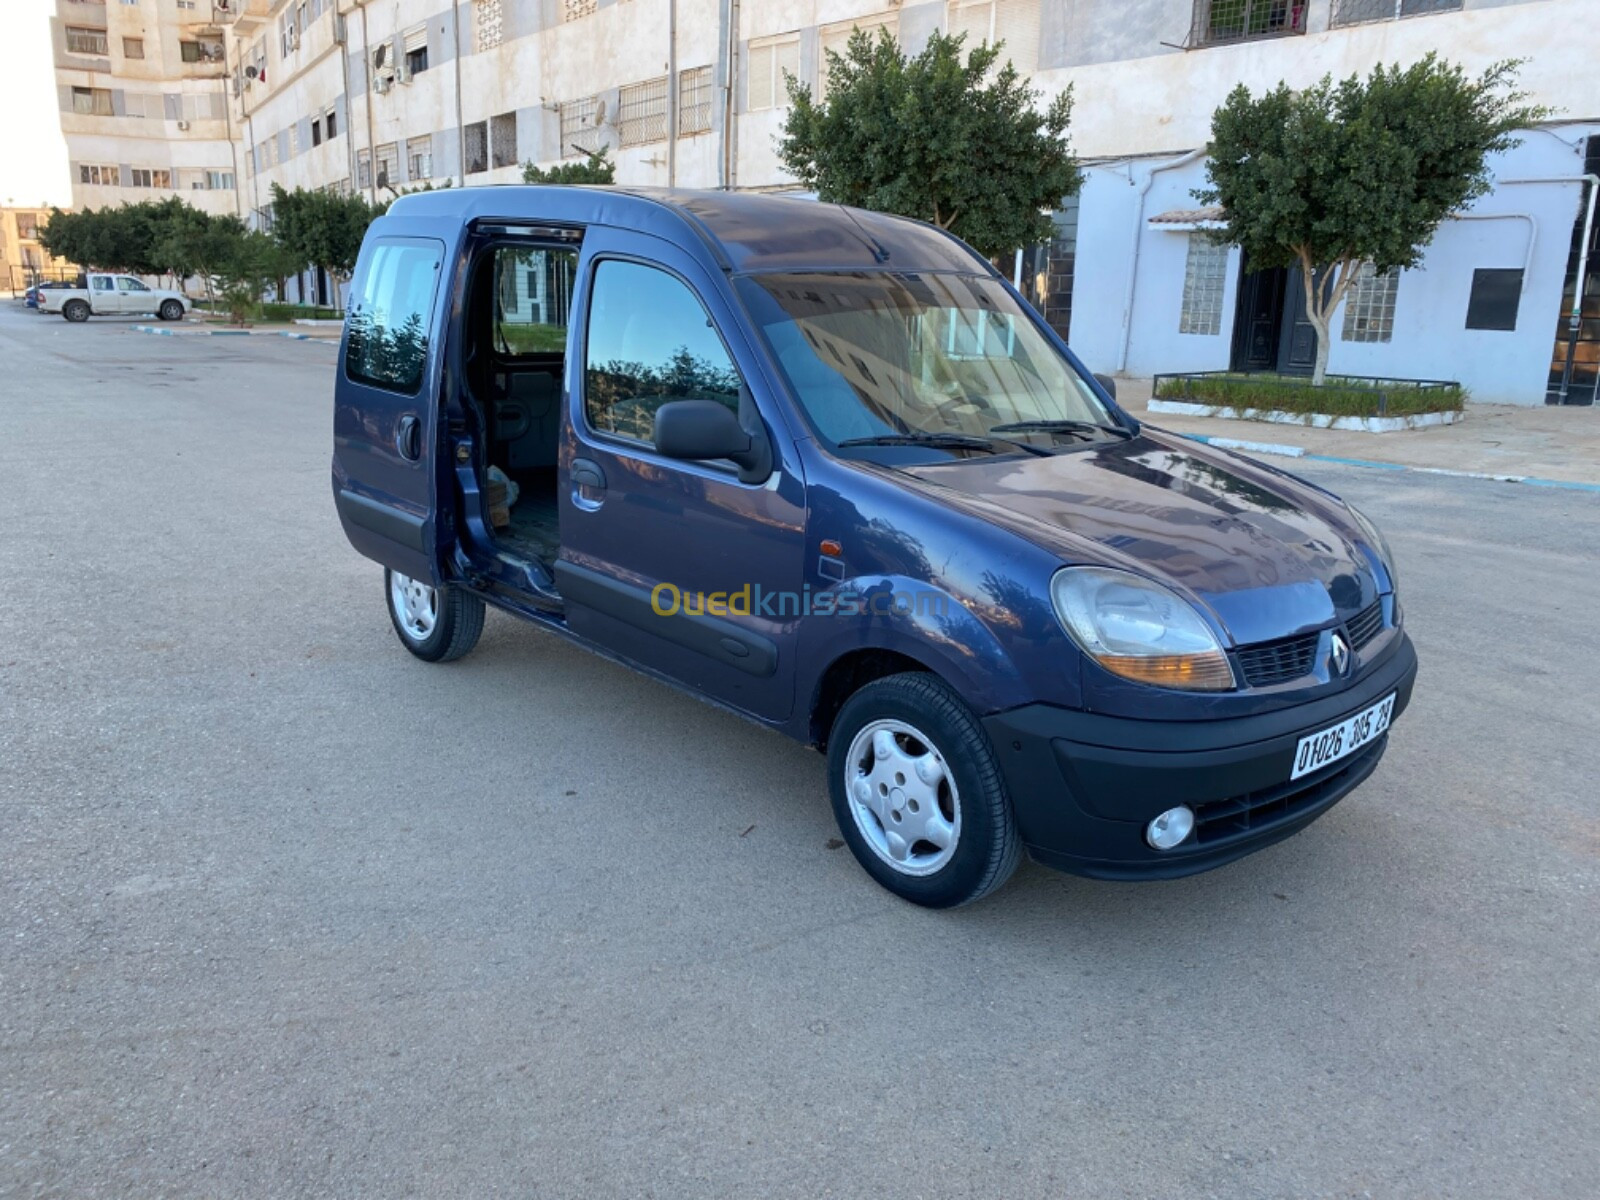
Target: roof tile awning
{"points": [[1178, 219]]}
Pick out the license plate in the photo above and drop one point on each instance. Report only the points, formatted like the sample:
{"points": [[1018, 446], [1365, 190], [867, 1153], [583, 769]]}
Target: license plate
{"points": [[1317, 750]]}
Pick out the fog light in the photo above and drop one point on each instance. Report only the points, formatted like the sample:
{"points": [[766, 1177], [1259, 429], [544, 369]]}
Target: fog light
{"points": [[1170, 828]]}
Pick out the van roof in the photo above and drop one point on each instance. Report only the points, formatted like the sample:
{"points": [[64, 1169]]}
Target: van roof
{"points": [[745, 232]]}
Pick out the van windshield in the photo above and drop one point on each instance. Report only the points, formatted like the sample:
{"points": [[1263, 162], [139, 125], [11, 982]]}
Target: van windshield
{"points": [[878, 355]]}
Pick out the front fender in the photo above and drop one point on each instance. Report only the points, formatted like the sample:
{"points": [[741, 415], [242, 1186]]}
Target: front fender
{"points": [[913, 618]]}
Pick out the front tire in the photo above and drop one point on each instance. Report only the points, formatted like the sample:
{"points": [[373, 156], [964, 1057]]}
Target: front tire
{"points": [[437, 624], [75, 311], [917, 792], [170, 310]]}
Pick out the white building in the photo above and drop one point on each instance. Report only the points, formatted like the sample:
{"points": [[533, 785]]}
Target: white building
{"points": [[385, 95]]}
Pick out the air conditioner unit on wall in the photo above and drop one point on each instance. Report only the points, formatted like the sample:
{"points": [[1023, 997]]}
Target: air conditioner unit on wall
{"points": [[382, 83]]}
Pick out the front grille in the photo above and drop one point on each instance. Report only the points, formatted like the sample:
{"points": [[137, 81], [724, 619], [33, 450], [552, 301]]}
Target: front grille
{"points": [[1366, 624], [1218, 820], [1267, 663]]}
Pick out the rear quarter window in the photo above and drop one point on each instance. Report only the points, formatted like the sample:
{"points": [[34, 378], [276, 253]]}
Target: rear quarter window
{"points": [[387, 343]]}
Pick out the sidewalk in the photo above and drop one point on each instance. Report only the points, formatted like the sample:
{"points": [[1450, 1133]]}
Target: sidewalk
{"points": [[1541, 443]]}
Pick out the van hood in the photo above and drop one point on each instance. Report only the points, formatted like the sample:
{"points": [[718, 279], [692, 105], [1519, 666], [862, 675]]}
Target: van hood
{"points": [[1271, 556]]}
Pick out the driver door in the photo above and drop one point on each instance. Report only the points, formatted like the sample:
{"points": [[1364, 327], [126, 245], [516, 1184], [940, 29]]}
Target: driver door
{"points": [[132, 296]]}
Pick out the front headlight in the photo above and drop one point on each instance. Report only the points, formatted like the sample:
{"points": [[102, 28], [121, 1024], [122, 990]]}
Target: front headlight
{"points": [[1135, 628], [1378, 543]]}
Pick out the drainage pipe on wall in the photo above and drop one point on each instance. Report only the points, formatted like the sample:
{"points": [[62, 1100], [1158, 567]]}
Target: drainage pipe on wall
{"points": [[1575, 318], [1133, 253], [672, 93]]}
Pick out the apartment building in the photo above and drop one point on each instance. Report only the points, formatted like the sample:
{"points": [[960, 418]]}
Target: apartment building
{"points": [[141, 88], [23, 261], [382, 96]]}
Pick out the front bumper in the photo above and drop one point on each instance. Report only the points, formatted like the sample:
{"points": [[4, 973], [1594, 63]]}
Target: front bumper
{"points": [[1084, 786]]}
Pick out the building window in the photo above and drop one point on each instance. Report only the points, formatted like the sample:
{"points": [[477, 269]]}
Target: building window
{"points": [[1369, 306], [475, 143], [142, 177], [94, 102], [576, 10], [642, 112], [1012, 22], [770, 59], [1204, 278], [332, 124], [86, 41], [132, 47], [694, 100], [1355, 12], [27, 227], [419, 157], [577, 125], [1238, 20], [200, 52], [363, 169], [100, 176], [503, 139], [489, 18], [414, 49], [387, 156], [316, 131], [837, 39], [1496, 295], [216, 181]]}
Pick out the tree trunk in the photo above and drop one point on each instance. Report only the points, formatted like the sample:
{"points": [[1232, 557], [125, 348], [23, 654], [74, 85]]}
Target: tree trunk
{"points": [[1319, 372], [1323, 297]]}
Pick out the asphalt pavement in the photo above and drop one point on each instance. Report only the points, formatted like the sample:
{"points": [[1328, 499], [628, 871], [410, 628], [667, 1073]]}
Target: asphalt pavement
{"points": [[286, 912]]}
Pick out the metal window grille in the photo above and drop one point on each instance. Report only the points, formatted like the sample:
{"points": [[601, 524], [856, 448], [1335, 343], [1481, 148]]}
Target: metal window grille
{"points": [[86, 41], [503, 139], [694, 101], [387, 156], [1204, 276], [1356, 12], [1238, 20], [475, 139], [363, 169], [768, 62], [1369, 306], [577, 124], [642, 112], [575, 10], [491, 23], [419, 151]]}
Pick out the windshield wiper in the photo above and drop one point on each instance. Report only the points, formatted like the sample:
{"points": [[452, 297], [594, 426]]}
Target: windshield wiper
{"points": [[940, 441], [1062, 426]]}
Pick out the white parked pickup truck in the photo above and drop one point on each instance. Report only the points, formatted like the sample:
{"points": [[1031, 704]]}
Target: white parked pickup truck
{"points": [[107, 294]]}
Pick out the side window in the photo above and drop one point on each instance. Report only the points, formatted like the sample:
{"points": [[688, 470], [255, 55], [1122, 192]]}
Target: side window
{"points": [[532, 299], [131, 285], [388, 323], [650, 341], [104, 283]]}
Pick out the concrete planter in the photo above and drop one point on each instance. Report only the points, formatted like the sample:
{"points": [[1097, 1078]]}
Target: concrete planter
{"points": [[1312, 420]]}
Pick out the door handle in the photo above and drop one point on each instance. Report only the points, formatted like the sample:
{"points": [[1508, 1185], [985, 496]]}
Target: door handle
{"points": [[408, 438], [588, 484]]}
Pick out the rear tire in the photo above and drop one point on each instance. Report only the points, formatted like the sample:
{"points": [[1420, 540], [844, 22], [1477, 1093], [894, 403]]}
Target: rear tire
{"points": [[437, 624], [75, 311], [917, 792], [170, 310]]}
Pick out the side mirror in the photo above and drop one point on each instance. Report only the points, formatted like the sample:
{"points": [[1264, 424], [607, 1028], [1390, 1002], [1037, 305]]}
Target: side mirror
{"points": [[1108, 383], [704, 429]]}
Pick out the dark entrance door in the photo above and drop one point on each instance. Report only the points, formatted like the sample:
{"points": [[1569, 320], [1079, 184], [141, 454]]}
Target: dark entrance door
{"points": [[1271, 331]]}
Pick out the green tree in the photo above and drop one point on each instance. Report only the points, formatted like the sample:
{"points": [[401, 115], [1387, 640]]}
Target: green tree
{"points": [[1362, 171], [253, 262], [595, 169], [955, 142], [322, 229]]}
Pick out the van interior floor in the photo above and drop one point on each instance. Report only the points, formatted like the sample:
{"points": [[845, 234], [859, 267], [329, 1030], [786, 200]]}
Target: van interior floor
{"points": [[534, 531]]}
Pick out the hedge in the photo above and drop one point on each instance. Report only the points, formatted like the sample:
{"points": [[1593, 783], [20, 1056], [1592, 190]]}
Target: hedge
{"points": [[1340, 396]]}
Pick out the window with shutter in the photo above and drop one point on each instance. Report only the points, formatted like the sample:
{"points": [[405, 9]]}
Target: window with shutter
{"points": [[769, 59]]}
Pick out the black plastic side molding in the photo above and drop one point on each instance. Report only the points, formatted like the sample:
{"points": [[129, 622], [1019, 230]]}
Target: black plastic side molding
{"points": [[725, 641]]}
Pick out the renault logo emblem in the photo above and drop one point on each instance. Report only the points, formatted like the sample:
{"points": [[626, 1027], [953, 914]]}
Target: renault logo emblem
{"points": [[1340, 657]]}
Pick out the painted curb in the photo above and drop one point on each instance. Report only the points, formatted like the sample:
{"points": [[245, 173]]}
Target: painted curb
{"points": [[1184, 408], [1375, 465], [298, 337]]}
